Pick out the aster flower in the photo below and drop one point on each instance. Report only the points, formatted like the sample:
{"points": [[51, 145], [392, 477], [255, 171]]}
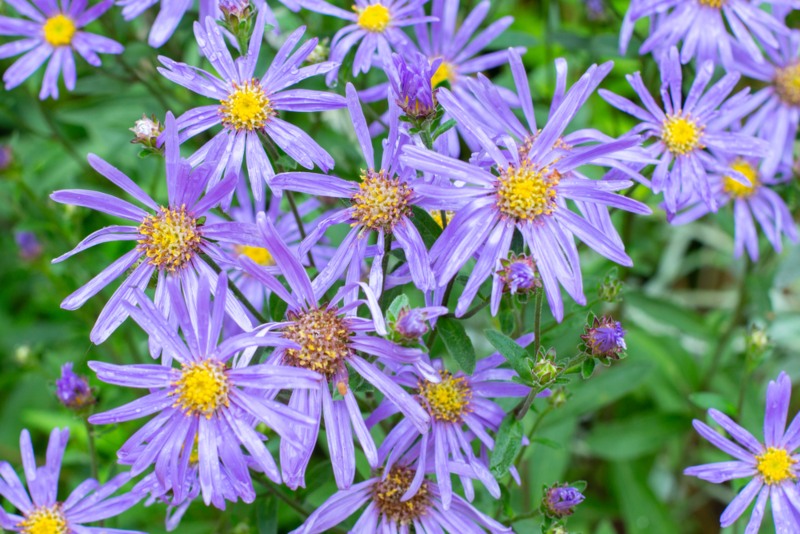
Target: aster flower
{"points": [[605, 339], [755, 202], [521, 181], [702, 26], [776, 107], [461, 409], [330, 340], [771, 466], [380, 203], [205, 408], [172, 11], [388, 509], [248, 105], [560, 500], [73, 390], [375, 23], [685, 128], [39, 509], [53, 33], [169, 239]]}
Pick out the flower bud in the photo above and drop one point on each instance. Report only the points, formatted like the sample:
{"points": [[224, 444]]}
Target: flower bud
{"points": [[411, 324], [410, 78], [146, 131], [545, 370], [73, 390], [610, 288], [235, 9], [605, 339], [321, 52], [560, 500], [518, 275], [558, 398]]}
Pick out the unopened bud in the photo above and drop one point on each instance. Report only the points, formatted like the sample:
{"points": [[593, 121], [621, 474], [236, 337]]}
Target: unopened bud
{"points": [[146, 131], [73, 390], [560, 500], [545, 369], [519, 275], [605, 339], [29, 246]]}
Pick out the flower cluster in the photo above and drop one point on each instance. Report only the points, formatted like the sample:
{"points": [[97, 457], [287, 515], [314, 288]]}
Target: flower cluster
{"points": [[269, 294]]}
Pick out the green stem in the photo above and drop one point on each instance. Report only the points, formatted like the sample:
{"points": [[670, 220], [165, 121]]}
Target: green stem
{"points": [[300, 227], [292, 503], [92, 448], [537, 345], [387, 247]]}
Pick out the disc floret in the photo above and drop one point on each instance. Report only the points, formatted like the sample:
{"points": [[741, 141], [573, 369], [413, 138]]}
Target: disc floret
{"points": [[447, 400], [681, 134], [170, 238], [247, 107], [44, 520], [787, 83], [374, 18], [737, 189], [202, 388], [381, 201], [775, 466], [388, 492], [526, 192], [323, 338], [59, 30]]}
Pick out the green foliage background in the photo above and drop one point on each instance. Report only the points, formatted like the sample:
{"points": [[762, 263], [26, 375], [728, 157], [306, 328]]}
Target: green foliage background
{"points": [[686, 304]]}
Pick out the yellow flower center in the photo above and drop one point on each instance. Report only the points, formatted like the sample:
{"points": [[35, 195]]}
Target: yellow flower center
{"points": [[170, 238], [775, 466], [259, 255], [787, 84], [44, 520], [374, 18], [712, 3], [447, 400], [527, 192], [323, 339], [381, 201], [202, 388], [246, 108], [681, 134], [387, 493], [738, 189], [59, 30], [445, 72]]}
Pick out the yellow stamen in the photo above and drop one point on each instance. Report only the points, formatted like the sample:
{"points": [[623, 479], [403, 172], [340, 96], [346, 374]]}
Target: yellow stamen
{"points": [[170, 239], [44, 520], [202, 388], [527, 192], [445, 72], [374, 18], [381, 202], [775, 466], [737, 189], [436, 215], [681, 134], [59, 30], [259, 255], [247, 107], [447, 400], [787, 84], [713, 3]]}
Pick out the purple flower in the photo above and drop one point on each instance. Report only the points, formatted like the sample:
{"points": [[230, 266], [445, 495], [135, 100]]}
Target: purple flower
{"points": [[29, 246], [461, 408], [756, 202], [391, 509], [412, 323], [685, 128], [560, 500], [776, 107], [169, 239], [772, 466], [521, 181], [39, 507], [330, 339], [702, 25], [518, 274], [54, 33], [206, 402], [376, 23], [605, 339], [410, 76], [73, 390], [381, 203], [247, 106]]}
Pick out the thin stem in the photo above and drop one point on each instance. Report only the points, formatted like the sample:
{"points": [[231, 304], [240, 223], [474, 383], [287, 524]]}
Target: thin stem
{"points": [[387, 247], [537, 345], [472, 311], [300, 227], [239, 295], [92, 448], [293, 504]]}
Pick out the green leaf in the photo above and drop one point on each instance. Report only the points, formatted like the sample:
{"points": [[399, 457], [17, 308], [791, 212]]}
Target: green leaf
{"points": [[663, 311], [399, 302], [587, 368], [457, 342], [277, 307], [707, 399], [516, 355], [506, 446], [644, 435], [641, 510], [267, 516], [428, 229]]}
